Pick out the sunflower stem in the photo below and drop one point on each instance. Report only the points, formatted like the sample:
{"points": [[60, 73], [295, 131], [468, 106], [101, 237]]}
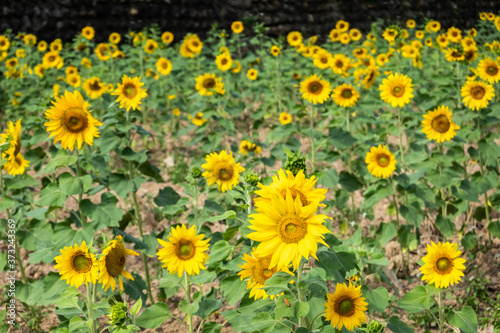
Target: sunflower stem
{"points": [[313, 149], [188, 298], [440, 305], [83, 218], [401, 152], [301, 296], [278, 85], [90, 301]]}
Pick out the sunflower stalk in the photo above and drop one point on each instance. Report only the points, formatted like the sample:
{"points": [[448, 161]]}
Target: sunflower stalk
{"points": [[313, 149], [83, 218], [90, 301], [401, 151], [440, 305], [486, 200], [188, 298], [301, 296]]}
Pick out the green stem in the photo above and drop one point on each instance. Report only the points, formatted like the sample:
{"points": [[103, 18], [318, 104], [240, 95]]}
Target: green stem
{"points": [[313, 149], [401, 151], [90, 301], [278, 85], [440, 305], [21, 266], [83, 218], [188, 298]]}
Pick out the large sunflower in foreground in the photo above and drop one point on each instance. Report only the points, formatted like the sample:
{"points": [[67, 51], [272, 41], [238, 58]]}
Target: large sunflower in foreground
{"points": [[396, 90], [222, 169], [257, 270], [489, 70], [130, 93], [112, 264], [314, 89], [438, 125], [184, 251], [77, 265], [476, 94], [70, 122], [346, 307], [287, 230], [380, 162], [299, 186], [345, 95], [94, 87], [442, 265]]}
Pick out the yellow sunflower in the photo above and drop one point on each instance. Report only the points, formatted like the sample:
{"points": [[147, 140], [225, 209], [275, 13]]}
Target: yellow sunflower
{"points": [[345, 95], [103, 52], [345, 308], [222, 169], [4, 43], [237, 67], [11, 63], [298, 186], [198, 119], [88, 32], [334, 35], [342, 26], [322, 59], [249, 147], [285, 118], [74, 80], [150, 46], [77, 265], [294, 38], [167, 37], [207, 84], [434, 26], [184, 251], [130, 92], [193, 43], [355, 34], [16, 165], [380, 162], [71, 70], [112, 264], [56, 45], [442, 265], [258, 271], [390, 35], [70, 121], [93, 87], [443, 41], [315, 90], [163, 66], [438, 125], [428, 42], [419, 34], [345, 38], [52, 59], [411, 23], [12, 137], [454, 35], [185, 51], [340, 64], [287, 230], [476, 94], [252, 74], [237, 27], [224, 61], [454, 54], [275, 50], [489, 70], [396, 90], [42, 46]]}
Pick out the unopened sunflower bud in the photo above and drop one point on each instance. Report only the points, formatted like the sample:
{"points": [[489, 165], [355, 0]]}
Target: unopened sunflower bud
{"points": [[252, 179], [375, 326], [196, 172], [118, 314], [295, 163]]}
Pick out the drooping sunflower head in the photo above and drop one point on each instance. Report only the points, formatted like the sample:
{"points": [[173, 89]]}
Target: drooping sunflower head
{"points": [[130, 93], [16, 165], [294, 38], [88, 32], [224, 61], [380, 162], [249, 147], [223, 170], [397, 90], [438, 125], [103, 51], [77, 265], [184, 251], [314, 89], [345, 95], [70, 122], [237, 67], [237, 27], [442, 264], [489, 70], [345, 307], [476, 94], [112, 264]]}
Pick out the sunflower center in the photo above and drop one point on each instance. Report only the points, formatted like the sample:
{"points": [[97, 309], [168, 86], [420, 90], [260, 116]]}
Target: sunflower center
{"points": [[164, 65], [347, 93], [492, 70], [261, 271], [82, 263], [383, 160], [292, 228], [224, 61], [444, 265], [209, 83], [95, 86], [18, 160], [324, 60], [226, 173], [398, 91], [115, 260], [195, 44], [185, 250], [52, 58], [478, 92], [294, 193], [75, 120], [130, 91], [345, 307], [315, 88], [441, 124]]}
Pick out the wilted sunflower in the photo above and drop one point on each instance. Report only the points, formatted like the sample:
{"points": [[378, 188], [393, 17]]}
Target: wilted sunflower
{"points": [[150, 46], [222, 169], [275, 50], [438, 125], [345, 95], [380, 162], [207, 84], [476, 94], [396, 90], [345, 308], [93, 87], [163, 66], [77, 265], [249, 147], [489, 70], [315, 90], [70, 121], [88, 32], [112, 264], [252, 74], [130, 92], [115, 38], [294, 38], [167, 37], [287, 230], [224, 61], [285, 118], [184, 251], [52, 59], [237, 27], [258, 271], [442, 265]]}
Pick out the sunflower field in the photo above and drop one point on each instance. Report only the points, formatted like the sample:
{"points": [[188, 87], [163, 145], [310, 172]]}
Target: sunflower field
{"points": [[241, 183]]}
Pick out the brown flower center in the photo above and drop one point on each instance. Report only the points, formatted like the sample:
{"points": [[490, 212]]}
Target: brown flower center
{"points": [[185, 250], [383, 160], [444, 265], [292, 229], [315, 87], [115, 260], [226, 173], [224, 61], [477, 92], [209, 83], [75, 120], [398, 91], [441, 124], [82, 263], [95, 86], [492, 70], [345, 307], [347, 93], [130, 91]]}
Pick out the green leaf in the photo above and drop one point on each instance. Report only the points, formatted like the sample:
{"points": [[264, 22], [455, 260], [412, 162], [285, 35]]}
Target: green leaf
{"points": [[167, 196], [233, 289], [134, 310], [279, 278], [63, 158], [465, 319], [51, 196], [445, 225], [154, 316], [412, 213], [328, 178], [19, 182], [398, 326], [494, 228], [128, 154], [336, 264], [212, 327], [378, 299], [349, 181], [121, 184], [219, 251], [189, 308], [71, 185], [376, 193], [230, 214], [105, 212], [469, 241], [386, 232], [6, 203], [208, 306], [416, 300], [108, 141], [340, 139], [301, 309]]}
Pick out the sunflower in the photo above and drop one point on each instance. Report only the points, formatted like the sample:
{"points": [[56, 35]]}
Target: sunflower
{"points": [[491, 16], [42, 46], [93, 87], [489, 70], [258, 271], [207, 84], [411, 23], [130, 92], [52, 59], [176, 112], [193, 43], [340, 64], [4, 43], [70, 121], [476, 94], [198, 119], [185, 51], [382, 59], [419, 34], [454, 54], [115, 38], [322, 59], [345, 308], [287, 230], [74, 80], [167, 37], [454, 35], [342, 26], [483, 16], [380, 162], [16, 165], [163, 66], [285, 118], [298, 186], [71, 70], [442, 265], [237, 27], [345, 38], [355, 34], [345, 95], [409, 51], [112, 264], [294, 38], [184, 251], [103, 52], [222, 169], [249, 147], [12, 137], [390, 35], [275, 50], [334, 35], [56, 45], [77, 265], [88, 32], [470, 54], [252, 74], [438, 125], [428, 42], [472, 32], [396, 90], [86, 62], [237, 67], [150, 46], [224, 61], [11, 63], [314, 89], [434, 26], [443, 41], [117, 54]]}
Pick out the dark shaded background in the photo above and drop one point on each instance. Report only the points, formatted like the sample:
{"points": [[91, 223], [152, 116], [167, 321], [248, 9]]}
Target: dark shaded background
{"points": [[50, 19]]}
